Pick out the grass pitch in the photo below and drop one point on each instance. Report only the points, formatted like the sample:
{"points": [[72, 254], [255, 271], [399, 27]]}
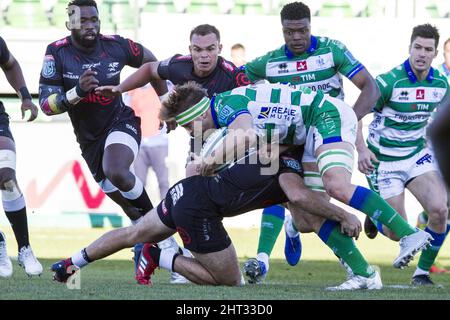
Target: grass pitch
{"points": [[112, 278]]}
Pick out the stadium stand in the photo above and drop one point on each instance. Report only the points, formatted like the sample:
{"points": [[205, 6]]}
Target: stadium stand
{"points": [[121, 14]]}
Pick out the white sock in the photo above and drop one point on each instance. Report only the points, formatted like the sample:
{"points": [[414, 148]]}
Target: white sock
{"points": [[420, 272], [291, 232], [79, 260], [242, 280], [263, 257], [166, 259]]}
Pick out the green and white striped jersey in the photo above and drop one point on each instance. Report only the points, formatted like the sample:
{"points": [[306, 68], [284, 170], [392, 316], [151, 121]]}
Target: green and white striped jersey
{"points": [[402, 112], [279, 111], [319, 68]]}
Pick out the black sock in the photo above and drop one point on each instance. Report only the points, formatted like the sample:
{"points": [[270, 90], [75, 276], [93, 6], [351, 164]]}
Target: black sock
{"points": [[143, 203], [174, 257], [155, 253], [19, 224]]}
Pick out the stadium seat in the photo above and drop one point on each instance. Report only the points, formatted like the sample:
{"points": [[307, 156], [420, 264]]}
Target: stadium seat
{"points": [[359, 8], [425, 9], [122, 15], [160, 6], [443, 8], [251, 7], [26, 14], [336, 9], [314, 6], [4, 7], [376, 8], [181, 5], [204, 7], [225, 6]]}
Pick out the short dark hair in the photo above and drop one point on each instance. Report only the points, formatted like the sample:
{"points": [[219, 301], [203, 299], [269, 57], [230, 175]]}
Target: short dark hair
{"points": [[205, 29], [81, 3], [426, 31], [295, 11], [237, 46]]}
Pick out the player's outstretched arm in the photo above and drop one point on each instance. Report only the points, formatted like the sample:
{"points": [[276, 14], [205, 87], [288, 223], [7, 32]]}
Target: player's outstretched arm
{"points": [[157, 83], [148, 72]]}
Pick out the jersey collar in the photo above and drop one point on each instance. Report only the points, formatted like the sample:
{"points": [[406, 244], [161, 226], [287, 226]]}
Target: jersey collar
{"points": [[412, 77], [313, 46]]}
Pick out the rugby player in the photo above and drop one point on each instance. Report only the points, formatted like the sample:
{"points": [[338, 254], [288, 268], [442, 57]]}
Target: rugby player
{"points": [[397, 140], [12, 198], [293, 116], [195, 207], [107, 130], [318, 63]]}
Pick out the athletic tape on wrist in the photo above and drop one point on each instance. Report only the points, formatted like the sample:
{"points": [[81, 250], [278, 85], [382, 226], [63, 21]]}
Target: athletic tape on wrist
{"points": [[72, 96]]}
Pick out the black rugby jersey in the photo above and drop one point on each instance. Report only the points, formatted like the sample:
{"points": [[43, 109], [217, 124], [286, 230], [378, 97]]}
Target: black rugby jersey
{"points": [[63, 64], [180, 69]]}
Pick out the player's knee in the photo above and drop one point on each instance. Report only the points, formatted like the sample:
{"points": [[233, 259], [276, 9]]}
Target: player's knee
{"points": [[298, 198], [11, 190], [119, 178], [134, 235], [336, 190], [438, 215]]}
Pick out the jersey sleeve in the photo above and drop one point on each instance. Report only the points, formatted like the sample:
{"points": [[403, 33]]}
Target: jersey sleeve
{"points": [[231, 107], [345, 62], [164, 68], [51, 73], [4, 52], [256, 69], [134, 52], [385, 91]]}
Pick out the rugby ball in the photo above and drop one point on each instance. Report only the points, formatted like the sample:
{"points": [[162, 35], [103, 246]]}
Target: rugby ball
{"points": [[215, 140]]}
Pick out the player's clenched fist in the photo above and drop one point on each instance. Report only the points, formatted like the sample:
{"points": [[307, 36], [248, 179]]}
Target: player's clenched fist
{"points": [[88, 81]]}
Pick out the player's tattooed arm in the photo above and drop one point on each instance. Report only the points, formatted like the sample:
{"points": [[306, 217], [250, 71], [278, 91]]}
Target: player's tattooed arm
{"points": [[52, 99]]}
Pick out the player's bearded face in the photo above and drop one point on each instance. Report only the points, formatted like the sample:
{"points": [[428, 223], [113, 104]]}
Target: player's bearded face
{"points": [[297, 35], [422, 52], [85, 26]]}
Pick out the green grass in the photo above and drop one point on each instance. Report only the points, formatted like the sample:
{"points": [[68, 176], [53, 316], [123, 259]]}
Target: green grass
{"points": [[113, 278]]}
